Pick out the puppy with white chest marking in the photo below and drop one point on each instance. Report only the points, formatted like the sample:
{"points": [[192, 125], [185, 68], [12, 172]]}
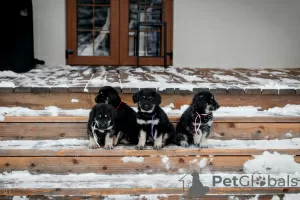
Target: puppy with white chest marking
{"points": [[152, 122], [126, 116], [195, 123], [101, 127]]}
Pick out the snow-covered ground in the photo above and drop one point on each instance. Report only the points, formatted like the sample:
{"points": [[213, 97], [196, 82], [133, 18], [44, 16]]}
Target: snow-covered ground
{"points": [[248, 111], [151, 76]]}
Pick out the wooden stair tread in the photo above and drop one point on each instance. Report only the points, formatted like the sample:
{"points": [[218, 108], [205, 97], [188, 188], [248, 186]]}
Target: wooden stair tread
{"points": [[146, 153], [137, 191], [75, 147], [152, 197], [217, 119], [94, 184]]}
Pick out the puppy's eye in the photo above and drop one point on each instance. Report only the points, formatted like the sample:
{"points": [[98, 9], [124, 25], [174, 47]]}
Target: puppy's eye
{"points": [[212, 97], [150, 98], [105, 116], [144, 97]]}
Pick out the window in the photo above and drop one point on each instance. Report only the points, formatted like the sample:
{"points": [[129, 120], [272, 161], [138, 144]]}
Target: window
{"points": [[119, 32]]}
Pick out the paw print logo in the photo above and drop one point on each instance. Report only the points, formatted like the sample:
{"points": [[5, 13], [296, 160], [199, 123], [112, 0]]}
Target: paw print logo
{"points": [[261, 181]]}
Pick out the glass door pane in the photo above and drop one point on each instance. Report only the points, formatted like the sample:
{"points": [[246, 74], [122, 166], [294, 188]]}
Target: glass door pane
{"points": [[146, 46], [150, 36], [93, 27]]}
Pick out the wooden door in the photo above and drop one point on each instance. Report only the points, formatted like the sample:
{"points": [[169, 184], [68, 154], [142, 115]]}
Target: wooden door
{"points": [[151, 38], [93, 32], [103, 32]]}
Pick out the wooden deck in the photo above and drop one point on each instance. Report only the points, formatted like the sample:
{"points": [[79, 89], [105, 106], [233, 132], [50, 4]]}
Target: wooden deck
{"points": [[57, 145], [171, 80]]}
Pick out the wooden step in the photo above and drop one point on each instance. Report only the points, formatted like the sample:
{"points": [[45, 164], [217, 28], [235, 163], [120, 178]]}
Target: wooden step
{"points": [[86, 100], [140, 191], [65, 156], [115, 165], [23, 183], [151, 197], [224, 128]]}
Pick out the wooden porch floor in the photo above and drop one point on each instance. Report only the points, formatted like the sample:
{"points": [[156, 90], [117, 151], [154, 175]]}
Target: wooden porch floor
{"points": [[171, 80]]}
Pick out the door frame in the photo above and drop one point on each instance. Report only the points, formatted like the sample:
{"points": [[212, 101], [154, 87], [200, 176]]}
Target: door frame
{"points": [[125, 59], [119, 37], [73, 58]]}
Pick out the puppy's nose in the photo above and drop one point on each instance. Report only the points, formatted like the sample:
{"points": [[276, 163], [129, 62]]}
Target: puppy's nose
{"points": [[146, 106]]}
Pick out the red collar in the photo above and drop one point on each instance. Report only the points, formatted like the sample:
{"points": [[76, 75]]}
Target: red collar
{"points": [[119, 105]]}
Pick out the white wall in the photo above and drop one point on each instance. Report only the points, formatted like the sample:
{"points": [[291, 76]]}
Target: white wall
{"points": [[237, 33], [207, 33], [49, 31]]}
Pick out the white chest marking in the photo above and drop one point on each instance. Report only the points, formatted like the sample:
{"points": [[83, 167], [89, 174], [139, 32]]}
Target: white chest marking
{"points": [[142, 122]]}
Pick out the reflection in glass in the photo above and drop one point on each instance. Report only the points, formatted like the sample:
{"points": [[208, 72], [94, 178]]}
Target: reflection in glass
{"points": [[93, 28], [150, 36]]}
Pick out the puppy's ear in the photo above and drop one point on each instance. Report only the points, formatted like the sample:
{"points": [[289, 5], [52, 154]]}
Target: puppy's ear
{"points": [[92, 115], [157, 98], [199, 101], [113, 113], [113, 96], [136, 97], [97, 99]]}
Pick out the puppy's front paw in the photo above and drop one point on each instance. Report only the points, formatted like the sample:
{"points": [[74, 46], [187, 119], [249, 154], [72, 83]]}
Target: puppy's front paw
{"points": [[108, 147], [139, 147], [203, 146], [92, 144], [184, 144], [157, 147]]}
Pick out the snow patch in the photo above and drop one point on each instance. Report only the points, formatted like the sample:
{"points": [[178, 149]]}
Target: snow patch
{"points": [[7, 84], [269, 163], [202, 163], [133, 159], [248, 111], [255, 198], [289, 109], [74, 100], [289, 135], [291, 197], [135, 197], [275, 197], [165, 160], [20, 198], [214, 144]]}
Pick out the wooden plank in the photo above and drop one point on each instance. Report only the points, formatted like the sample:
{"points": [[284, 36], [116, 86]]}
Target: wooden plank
{"points": [[86, 100], [217, 119], [170, 152], [115, 165], [77, 129], [144, 197], [139, 191]]}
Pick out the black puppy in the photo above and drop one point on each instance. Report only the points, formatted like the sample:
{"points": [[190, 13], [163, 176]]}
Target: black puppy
{"points": [[101, 127], [195, 123], [126, 116], [153, 123]]}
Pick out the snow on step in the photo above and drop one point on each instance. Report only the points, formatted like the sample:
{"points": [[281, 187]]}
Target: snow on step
{"points": [[246, 111], [293, 143], [23, 179]]}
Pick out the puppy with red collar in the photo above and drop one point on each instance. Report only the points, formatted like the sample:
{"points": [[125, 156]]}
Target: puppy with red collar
{"points": [[126, 120]]}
